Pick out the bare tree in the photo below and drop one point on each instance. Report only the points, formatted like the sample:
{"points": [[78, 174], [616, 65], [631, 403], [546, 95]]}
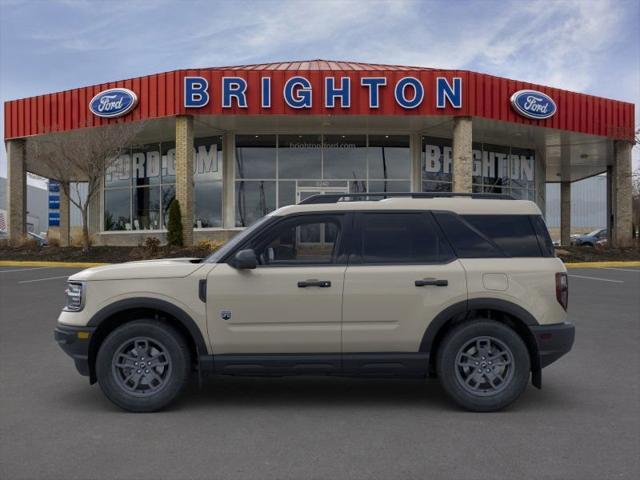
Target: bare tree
{"points": [[82, 156]]}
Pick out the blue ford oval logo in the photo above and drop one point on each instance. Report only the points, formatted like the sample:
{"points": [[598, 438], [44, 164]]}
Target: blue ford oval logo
{"points": [[114, 102], [533, 104]]}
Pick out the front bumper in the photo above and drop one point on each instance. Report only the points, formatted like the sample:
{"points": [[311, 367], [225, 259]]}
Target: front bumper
{"points": [[75, 343], [553, 341]]}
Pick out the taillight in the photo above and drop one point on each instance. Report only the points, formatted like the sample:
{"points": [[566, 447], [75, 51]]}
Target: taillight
{"points": [[562, 289]]}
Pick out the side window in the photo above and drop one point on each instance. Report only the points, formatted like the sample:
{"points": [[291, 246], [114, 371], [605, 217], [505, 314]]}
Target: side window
{"points": [[514, 234], [394, 238], [467, 241], [303, 240]]}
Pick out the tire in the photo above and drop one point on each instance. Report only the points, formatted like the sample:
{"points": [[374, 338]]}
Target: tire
{"points": [[489, 346], [143, 365]]}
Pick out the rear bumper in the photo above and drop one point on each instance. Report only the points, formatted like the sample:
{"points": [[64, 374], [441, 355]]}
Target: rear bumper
{"points": [[75, 343], [553, 341]]}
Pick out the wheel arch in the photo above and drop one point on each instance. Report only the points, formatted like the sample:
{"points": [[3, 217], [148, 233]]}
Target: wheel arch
{"points": [[503, 311], [127, 310]]}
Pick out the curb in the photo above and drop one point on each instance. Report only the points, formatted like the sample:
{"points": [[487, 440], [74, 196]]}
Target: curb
{"points": [[27, 263], [602, 264]]}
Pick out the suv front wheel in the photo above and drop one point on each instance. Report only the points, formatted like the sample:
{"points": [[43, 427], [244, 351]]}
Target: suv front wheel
{"points": [[483, 365], [143, 365]]}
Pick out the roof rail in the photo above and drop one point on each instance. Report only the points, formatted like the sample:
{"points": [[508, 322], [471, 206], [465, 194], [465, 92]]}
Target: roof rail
{"points": [[336, 197]]}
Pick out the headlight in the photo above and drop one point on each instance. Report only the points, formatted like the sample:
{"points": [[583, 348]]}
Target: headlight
{"points": [[75, 297]]}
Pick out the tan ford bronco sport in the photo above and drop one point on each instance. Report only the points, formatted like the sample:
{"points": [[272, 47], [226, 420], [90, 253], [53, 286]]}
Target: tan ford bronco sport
{"points": [[465, 288]]}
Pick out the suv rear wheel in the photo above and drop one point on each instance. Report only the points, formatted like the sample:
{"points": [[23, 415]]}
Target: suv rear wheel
{"points": [[483, 365], [143, 365]]}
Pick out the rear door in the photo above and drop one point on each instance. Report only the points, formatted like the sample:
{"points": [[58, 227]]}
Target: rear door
{"points": [[402, 273]]}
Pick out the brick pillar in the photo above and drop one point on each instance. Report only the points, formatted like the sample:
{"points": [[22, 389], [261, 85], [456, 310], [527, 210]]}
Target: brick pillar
{"points": [[565, 213], [16, 191], [462, 154], [610, 207], [184, 174], [228, 180], [65, 218], [622, 192]]}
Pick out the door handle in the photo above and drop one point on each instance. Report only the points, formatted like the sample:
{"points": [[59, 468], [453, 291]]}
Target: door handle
{"points": [[314, 283], [426, 282]]}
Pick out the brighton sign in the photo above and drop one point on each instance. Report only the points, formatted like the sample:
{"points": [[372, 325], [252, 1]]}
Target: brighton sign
{"points": [[533, 104], [408, 92], [113, 103]]}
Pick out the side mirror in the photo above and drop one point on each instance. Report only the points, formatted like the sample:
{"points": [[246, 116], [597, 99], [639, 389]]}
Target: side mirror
{"points": [[244, 260]]}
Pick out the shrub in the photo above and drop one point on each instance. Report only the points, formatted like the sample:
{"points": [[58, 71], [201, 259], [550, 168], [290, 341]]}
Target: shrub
{"points": [[29, 244], [54, 242], [152, 246], [205, 247], [174, 226]]}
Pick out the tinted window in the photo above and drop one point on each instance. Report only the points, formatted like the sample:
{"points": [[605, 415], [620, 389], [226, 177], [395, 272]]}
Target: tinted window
{"points": [[514, 234], [466, 241], [544, 239], [304, 240], [401, 238]]}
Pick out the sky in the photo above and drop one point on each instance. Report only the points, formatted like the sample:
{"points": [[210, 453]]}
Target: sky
{"points": [[582, 45]]}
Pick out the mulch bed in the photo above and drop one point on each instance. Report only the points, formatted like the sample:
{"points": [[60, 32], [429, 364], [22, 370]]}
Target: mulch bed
{"points": [[590, 254], [126, 254], [97, 254]]}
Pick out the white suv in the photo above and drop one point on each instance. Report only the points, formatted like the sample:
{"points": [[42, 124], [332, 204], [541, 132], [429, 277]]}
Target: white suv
{"points": [[462, 287]]}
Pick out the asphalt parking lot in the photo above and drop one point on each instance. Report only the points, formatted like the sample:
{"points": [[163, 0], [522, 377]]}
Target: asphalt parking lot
{"points": [[583, 424]]}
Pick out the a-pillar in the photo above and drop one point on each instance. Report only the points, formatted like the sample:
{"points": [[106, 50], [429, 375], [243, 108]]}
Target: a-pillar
{"points": [[565, 213], [16, 191], [184, 174], [65, 219], [462, 154], [621, 193]]}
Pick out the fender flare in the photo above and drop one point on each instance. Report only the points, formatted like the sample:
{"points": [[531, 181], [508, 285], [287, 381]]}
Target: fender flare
{"points": [[155, 304], [462, 308]]}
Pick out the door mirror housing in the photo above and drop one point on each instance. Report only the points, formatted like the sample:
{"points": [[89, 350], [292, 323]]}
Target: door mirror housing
{"points": [[244, 260]]}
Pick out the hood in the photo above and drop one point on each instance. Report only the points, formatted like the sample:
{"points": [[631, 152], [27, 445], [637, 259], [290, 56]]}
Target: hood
{"points": [[164, 268]]}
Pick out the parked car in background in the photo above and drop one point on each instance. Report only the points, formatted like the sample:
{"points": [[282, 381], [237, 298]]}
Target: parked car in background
{"points": [[590, 239], [41, 239]]}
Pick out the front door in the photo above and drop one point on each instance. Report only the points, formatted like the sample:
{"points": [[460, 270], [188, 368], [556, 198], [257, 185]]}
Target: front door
{"points": [[291, 303]]}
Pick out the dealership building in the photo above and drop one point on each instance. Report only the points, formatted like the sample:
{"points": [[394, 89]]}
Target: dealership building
{"points": [[234, 143]]}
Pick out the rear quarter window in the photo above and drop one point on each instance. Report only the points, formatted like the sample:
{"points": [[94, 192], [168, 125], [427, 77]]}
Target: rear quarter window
{"points": [[515, 235]]}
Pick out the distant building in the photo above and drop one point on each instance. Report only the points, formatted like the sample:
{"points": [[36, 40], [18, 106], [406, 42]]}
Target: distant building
{"points": [[37, 206]]}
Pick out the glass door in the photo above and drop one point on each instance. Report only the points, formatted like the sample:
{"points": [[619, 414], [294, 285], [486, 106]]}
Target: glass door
{"points": [[316, 236]]}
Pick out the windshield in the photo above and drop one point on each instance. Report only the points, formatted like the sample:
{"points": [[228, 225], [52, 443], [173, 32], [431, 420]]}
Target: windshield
{"points": [[594, 233], [235, 241]]}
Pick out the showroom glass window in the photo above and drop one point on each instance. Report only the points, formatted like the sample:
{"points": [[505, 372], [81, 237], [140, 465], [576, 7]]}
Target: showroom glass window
{"points": [[496, 168], [277, 170], [140, 186]]}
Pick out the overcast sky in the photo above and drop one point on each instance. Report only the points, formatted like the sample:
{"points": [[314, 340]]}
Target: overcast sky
{"points": [[582, 45]]}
